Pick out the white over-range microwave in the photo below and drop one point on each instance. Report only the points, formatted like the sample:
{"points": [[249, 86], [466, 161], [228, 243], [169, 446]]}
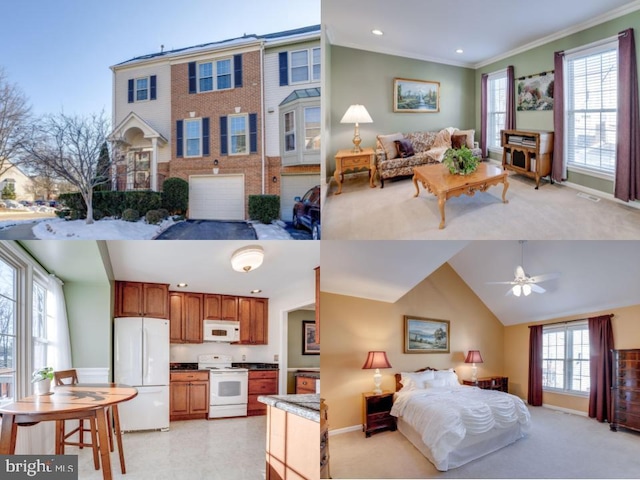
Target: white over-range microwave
{"points": [[221, 331]]}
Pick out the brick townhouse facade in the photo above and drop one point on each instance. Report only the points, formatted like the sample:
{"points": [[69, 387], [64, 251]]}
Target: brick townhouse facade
{"points": [[234, 118]]}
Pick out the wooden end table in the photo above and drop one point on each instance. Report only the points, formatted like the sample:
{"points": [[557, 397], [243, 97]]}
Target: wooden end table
{"points": [[347, 160], [376, 412], [444, 185]]}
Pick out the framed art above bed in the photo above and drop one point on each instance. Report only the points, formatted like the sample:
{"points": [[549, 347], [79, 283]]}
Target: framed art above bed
{"points": [[426, 335]]}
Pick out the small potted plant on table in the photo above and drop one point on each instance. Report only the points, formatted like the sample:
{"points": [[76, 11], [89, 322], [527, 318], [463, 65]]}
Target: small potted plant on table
{"points": [[460, 161], [41, 380]]}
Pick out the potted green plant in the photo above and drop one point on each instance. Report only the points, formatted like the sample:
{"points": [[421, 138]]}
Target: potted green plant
{"points": [[41, 379], [460, 161]]}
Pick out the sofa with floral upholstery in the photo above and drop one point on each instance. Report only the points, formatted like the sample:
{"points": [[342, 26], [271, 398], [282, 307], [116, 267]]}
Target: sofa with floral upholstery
{"points": [[398, 153]]}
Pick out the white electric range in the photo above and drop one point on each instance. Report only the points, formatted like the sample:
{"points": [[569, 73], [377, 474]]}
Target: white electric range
{"points": [[227, 386]]}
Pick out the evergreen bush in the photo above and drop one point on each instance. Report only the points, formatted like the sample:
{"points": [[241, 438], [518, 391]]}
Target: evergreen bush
{"points": [[264, 208]]}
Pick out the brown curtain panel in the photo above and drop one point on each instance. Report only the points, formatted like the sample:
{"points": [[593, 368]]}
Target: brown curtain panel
{"points": [[600, 365], [627, 185], [558, 170], [510, 117], [534, 397]]}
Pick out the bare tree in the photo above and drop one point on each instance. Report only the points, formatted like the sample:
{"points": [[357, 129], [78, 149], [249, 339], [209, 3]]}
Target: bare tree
{"points": [[70, 146], [15, 115]]}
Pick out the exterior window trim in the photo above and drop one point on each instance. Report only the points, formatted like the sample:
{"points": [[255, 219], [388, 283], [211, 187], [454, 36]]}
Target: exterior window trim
{"points": [[290, 132], [214, 74], [309, 65], [304, 119], [245, 116], [136, 90], [186, 137]]}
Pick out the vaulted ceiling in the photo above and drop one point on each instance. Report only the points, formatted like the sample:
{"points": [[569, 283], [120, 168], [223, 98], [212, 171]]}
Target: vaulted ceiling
{"points": [[485, 30], [591, 275]]}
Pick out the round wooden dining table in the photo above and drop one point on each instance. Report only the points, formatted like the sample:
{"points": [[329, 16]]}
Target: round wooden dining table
{"points": [[64, 403]]}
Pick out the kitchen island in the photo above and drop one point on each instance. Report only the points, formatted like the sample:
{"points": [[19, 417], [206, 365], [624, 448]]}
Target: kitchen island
{"points": [[293, 436]]}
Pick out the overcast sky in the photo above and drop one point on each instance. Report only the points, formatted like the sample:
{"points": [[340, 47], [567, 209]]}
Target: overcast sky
{"points": [[59, 51]]}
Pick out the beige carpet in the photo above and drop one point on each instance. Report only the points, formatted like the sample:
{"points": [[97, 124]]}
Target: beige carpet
{"points": [[560, 445], [552, 212]]}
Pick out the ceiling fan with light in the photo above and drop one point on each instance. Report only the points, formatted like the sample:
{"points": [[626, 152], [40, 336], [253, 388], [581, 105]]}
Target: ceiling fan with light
{"points": [[524, 284]]}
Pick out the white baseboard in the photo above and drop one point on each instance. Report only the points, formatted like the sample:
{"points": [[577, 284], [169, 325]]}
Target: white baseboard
{"points": [[565, 410], [598, 193], [340, 431]]}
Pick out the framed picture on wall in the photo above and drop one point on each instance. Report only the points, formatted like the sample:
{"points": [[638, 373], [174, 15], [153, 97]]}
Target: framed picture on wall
{"points": [[415, 96], [309, 345], [426, 335]]}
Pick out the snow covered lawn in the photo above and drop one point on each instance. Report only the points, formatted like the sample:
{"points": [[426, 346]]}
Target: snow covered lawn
{"points": [[110, 229]]}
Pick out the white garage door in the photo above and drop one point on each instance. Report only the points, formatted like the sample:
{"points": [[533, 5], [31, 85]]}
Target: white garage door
{"points": [[216, 197], [294, 186]]}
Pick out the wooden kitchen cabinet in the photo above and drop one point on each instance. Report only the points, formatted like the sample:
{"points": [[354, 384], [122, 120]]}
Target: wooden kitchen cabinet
{"points": [[220, 307], [305, 384], [253, 314], [136, 299], [189, 395], [185, 317], [261, 382]]}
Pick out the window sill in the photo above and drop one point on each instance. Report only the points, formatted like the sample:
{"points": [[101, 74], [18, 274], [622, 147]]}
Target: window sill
{"points": [[566, 393], [591, 173]]}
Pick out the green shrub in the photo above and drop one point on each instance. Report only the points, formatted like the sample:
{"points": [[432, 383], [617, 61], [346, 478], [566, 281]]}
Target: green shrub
{"points": [[98, 214], [63, 213], [175, 195], [130, 215], [264, 208], [153, 217], [113, 204], [163, 212]]}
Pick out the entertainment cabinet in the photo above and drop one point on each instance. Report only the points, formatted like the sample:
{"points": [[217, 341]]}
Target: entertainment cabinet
{"points": [[528, 152]]}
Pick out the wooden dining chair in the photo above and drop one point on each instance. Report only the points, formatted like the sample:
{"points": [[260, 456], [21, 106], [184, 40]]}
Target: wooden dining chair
{"points": [[70, 377]]}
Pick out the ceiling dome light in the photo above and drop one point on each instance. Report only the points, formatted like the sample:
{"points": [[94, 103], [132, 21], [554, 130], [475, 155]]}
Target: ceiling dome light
{"points": [[182, 285], [377, 31], [247, 259], [459, 50]]}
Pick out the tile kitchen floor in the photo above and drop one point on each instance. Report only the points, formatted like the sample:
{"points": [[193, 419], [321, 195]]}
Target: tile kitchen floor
{"points": [[229, 449]]}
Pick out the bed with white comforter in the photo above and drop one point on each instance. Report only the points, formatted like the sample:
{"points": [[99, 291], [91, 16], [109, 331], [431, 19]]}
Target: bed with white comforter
{"points": [[453, 424]]}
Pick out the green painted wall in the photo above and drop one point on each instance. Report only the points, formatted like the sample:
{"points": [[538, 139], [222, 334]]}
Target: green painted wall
{"points": [[89, 308], [295, 359], [357, 76], [540, 59]]}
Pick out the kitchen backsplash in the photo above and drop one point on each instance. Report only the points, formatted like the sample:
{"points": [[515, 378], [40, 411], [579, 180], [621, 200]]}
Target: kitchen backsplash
{"points": [[188, 353]]}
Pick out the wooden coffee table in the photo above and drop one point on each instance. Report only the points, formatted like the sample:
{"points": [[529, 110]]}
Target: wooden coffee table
{"points": [[444, 185]]}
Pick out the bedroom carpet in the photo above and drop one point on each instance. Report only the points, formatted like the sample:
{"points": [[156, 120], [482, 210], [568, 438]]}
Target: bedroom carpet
{"points": [[553, 212], [560, 445]]}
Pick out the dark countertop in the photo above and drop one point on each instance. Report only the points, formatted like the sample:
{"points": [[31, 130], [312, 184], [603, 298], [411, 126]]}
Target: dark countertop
{"points": [[307, 373], [256, 366], [178, 366], [305, 406]]}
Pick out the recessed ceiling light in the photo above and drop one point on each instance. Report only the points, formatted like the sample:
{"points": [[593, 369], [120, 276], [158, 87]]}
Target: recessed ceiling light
{"points": [[459, 50], [257, 290], [182, 285], [377, 31]]}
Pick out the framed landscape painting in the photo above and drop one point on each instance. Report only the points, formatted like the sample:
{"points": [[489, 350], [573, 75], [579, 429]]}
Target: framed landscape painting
{"points": [[426, 335], [415, 96], [309, 345]]}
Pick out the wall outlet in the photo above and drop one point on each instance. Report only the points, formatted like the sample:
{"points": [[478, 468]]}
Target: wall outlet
{"points": [[244, 358], [276, 357]]}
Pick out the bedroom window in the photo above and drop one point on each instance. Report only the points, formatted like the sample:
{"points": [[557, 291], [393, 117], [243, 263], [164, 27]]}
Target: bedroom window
{"points": [[592, 105], [565, 358], [496, 107]]}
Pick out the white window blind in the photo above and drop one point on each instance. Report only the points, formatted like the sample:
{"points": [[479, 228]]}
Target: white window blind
{"points": [[496, 107], [591, 108]]}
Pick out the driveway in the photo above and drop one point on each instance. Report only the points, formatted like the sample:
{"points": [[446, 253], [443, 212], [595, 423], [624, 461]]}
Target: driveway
{"points": [[209, 230], [298, 234]]}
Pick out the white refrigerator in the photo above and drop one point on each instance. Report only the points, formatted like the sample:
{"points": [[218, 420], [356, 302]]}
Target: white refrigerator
{"points": [[141, 360]]}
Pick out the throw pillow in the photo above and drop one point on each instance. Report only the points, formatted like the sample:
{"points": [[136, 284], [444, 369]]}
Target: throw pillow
{"points": [[458, 141], [387, 142], [470, 136], [404, 147]]}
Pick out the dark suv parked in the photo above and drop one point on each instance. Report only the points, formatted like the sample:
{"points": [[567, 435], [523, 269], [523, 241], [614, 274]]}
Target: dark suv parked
{"points": [[306, 212]]}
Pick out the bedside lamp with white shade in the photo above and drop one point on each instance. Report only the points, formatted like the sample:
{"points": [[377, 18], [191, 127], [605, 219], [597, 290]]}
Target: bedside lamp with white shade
{"points": [[473, 357], [377, 360], [356, 114]]}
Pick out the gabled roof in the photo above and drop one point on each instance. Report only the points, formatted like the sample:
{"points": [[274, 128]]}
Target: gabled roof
{"points": [[245, 39], [302, 93], [133, 120]]}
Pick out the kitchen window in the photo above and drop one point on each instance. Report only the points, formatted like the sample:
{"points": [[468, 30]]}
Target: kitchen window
{"points": [[565, 358], [8, 330], [39, 327], [591, 100]]}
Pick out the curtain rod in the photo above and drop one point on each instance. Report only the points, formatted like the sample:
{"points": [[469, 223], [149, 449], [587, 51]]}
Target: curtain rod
{"points": [[568, 321]]}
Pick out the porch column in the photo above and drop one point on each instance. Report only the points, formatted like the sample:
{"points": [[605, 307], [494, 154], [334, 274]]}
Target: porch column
{"points": [[154, 164]]}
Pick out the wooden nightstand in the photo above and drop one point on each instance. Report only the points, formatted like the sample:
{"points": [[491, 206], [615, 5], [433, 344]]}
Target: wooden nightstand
{"points": [[490, 383], [376, 412], [347, 160]]}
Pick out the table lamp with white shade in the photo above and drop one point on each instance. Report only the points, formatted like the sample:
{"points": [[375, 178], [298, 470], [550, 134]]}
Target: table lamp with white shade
{"points": [[356, 114]]}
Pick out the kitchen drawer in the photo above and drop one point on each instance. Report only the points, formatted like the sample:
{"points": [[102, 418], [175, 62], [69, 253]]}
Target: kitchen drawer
{"points": [[305, 385], [188, 376], [263, 387], [362, 161], [258, 374]]}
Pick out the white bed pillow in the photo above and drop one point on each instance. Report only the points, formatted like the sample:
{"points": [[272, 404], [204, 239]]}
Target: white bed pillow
{"points": [[436, 382], [449, 377], [415, 380]]}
